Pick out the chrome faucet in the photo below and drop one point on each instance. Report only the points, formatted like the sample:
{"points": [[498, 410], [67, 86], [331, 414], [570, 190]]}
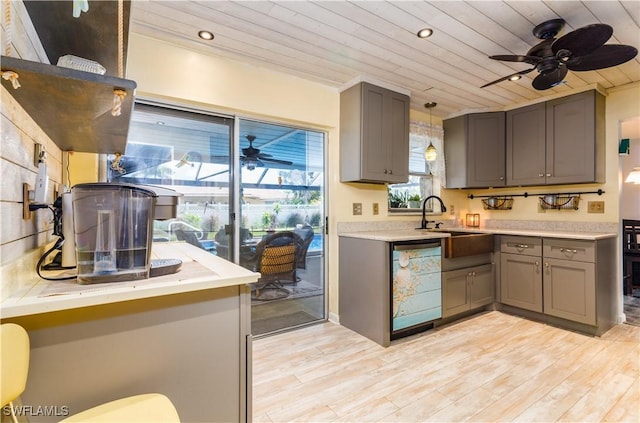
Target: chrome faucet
{"points": [[425, 222]]}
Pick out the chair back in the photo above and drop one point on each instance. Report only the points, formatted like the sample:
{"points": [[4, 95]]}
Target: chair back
{"points": [[14, 362], [306, 234], [278, 253], [278, 260]]}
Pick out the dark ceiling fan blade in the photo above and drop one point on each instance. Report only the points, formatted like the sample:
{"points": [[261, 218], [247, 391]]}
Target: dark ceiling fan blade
{"points": [[532, 60], [509, 76], [264, 156], [284, 162], [606, 56], [583, 41], [548, 80]]}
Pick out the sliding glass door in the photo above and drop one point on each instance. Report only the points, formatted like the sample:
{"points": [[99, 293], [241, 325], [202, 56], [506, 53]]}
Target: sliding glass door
{"points": [[282, 202], [242, 183]]}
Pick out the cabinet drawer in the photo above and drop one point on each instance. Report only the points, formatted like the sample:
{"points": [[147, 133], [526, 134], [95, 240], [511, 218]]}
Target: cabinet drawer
{"points": [[569, 249], [526, 245]]}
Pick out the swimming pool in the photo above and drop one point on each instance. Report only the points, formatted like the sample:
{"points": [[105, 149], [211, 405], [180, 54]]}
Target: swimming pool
{"points": [[316, 243]]}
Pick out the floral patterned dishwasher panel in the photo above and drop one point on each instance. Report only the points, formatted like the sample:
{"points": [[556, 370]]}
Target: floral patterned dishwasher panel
{"points": [[417, 287]]}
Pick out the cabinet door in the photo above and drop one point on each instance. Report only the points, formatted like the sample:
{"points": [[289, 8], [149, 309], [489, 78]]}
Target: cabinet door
{"points": [[397, 140], [570, 290], [521, 281], [373, 142], [481, 286], [571, 139], [455, 295], [455, 151], [486, 143], [526, 145]]}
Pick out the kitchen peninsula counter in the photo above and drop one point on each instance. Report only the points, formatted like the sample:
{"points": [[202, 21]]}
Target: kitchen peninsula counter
{"points": [[186, 335], [200, 271]]}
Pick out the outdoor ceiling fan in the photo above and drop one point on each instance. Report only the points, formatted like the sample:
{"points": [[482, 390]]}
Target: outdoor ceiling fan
{"points": [[252, 157], [583, 49]]}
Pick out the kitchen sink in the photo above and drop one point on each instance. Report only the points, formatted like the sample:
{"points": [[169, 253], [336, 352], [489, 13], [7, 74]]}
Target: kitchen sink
{"points": [[463, 244]]}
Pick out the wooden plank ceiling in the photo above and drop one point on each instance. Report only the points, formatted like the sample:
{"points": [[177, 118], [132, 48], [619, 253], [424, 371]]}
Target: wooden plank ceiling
{"points": [[335, 42]]}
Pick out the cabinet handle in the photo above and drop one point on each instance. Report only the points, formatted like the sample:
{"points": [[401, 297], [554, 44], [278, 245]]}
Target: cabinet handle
{"points": [[562, 250], [385, 171], [390, 172], [521, 247], [541, 175], [537, 263], [502, 178], [548, 175]]}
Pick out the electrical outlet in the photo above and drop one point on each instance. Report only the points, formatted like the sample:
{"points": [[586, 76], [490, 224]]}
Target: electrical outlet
{"points": [[376, 208], [357, 209], [595, 207], [452, 210]]}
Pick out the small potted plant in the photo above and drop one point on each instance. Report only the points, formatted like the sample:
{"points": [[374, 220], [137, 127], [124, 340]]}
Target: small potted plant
{"points": [[398, 200], [414, 201]]}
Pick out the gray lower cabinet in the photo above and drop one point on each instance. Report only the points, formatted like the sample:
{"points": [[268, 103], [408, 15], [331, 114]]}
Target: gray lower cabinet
{"points": [[570, 280], [520, 272], [466, 289], [521, 281], [561, 278]]}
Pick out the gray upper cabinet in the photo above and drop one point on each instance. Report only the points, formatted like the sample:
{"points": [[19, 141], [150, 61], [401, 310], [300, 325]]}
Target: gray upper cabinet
{"points": [[374, 135], [576, 139], [526, 133], [474, 147], [557, 142]]}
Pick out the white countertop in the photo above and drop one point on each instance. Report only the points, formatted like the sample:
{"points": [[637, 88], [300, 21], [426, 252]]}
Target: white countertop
{"points": [[397, 235], [200, 270], [418, 234]]}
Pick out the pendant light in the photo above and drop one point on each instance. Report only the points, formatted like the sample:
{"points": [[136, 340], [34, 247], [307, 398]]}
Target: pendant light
{"points": [[430, 154]]}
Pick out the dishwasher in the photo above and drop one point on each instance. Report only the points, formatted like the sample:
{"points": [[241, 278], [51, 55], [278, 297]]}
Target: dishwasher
{"points": [[416, 286]]}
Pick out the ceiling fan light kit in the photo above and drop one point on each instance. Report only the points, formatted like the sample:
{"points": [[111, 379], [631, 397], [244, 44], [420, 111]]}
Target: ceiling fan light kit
{"points": [[581, 50]]}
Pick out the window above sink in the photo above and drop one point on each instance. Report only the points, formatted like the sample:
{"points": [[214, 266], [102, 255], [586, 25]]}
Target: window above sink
{"points": [[425, 178]]}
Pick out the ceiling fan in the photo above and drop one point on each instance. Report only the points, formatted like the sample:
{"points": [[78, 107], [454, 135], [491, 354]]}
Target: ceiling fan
{"points": [[580, 50], [252, 157]]}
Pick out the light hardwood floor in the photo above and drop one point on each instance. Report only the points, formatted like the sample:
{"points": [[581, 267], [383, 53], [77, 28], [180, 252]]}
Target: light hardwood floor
{"points": [[491, 367]]}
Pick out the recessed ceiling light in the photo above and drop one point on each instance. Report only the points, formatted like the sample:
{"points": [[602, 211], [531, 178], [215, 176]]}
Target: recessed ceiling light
{"points": [[425, 33], [515, 77], [205, 35]]}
